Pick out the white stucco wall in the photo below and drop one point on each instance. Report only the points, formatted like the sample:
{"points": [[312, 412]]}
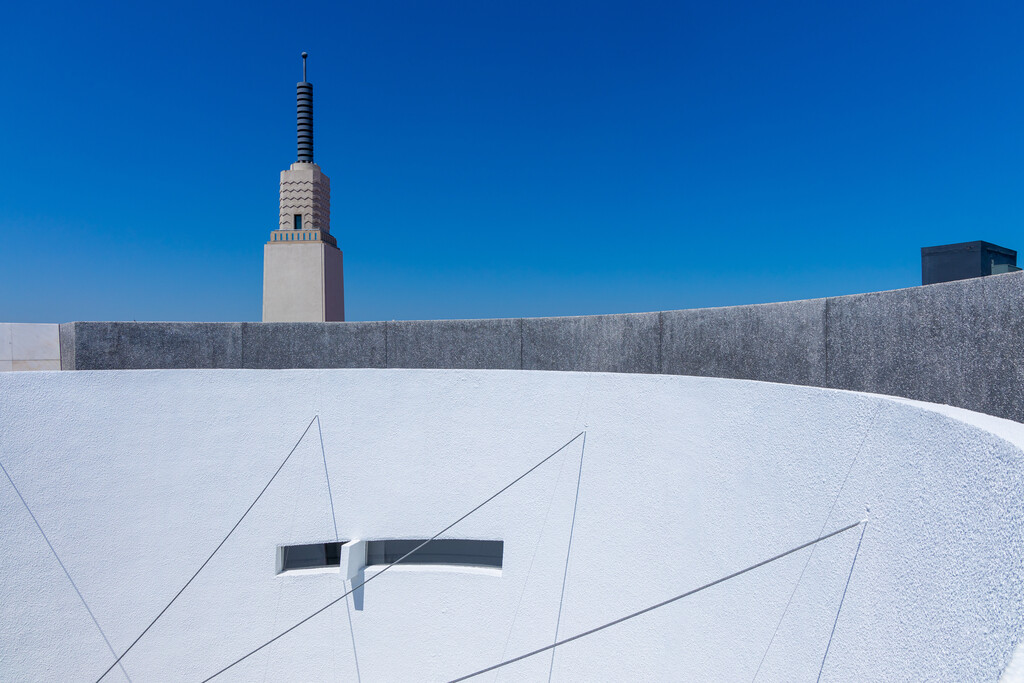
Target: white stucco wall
{"points": [[136, 476], [29, 346]]}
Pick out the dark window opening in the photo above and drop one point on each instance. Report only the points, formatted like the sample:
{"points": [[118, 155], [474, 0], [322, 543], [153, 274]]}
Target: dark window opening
{"points": [[307, 556], [298, 221], [442, 551]]}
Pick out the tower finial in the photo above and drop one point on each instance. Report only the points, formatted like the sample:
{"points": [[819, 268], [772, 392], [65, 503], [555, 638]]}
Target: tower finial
{"points": [[304, 100]]}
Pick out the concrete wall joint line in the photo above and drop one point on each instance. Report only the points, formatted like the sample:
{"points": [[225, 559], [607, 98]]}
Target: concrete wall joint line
{"points": [[824, 347], [661, 342], [521, 323]]}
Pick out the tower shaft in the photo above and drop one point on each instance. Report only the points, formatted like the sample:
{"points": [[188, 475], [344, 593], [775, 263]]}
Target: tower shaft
{"points": [[302, 265]]}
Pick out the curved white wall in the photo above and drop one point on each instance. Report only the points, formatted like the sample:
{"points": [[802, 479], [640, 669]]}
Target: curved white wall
{"points": [[136, 476]]}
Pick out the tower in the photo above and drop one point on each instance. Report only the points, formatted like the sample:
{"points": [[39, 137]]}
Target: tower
{"points": [[302, 265]]}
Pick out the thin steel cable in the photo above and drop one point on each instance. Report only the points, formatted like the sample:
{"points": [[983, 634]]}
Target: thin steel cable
{"points": [[281, 584], [810, 555], [660, 604], [66, 572], [291, 528], [182, 590], [327, 474], [389, 566], [842, 599], [352, 633], [568, 552], [337, 539], [529, 570]]}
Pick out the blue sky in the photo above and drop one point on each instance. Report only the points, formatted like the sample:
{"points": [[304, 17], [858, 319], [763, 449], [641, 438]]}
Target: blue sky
{"points": [[503, 159]]}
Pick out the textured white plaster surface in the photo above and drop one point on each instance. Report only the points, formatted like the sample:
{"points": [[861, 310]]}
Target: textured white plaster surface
{"points": [[1014, 672], [136, 476], [6, 352]]}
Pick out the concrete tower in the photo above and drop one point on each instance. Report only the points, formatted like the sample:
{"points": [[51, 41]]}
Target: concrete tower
{"points": [[302, 265]]}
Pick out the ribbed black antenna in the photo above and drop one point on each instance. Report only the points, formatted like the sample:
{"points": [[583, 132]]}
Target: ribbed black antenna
{"points": [[304, 101]]}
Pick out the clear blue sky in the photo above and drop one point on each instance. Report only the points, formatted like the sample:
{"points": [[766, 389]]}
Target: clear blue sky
{"points": [[503, 159]]}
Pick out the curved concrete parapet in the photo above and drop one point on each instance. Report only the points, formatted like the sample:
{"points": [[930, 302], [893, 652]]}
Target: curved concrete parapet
{"points": [[958, 343], [135, 477]]}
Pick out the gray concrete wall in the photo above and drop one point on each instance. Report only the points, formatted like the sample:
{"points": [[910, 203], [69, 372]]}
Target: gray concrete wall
{"points": [[783, 342], [959, 343], [628, 342]]}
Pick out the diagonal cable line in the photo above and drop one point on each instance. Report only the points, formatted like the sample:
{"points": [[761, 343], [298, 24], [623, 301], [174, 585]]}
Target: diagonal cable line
{"points": [[182, 590], [568, 552], [810, 555], [533, 557], [337, 539], [842, 599], [327, 475], [66, 572], [651, 608], [389, 566], [280, 589]]}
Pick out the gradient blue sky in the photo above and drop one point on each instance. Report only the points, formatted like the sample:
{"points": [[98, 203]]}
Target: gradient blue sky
{"points": [[503, 159]]}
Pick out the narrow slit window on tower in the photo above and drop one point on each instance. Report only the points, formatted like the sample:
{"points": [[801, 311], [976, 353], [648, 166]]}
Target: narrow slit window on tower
{"points": [[298, 221], [451, 551], [310, 556]]}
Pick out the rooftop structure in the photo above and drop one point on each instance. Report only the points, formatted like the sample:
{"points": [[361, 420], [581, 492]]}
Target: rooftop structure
{"points": [[303, 274], [964, 260]]}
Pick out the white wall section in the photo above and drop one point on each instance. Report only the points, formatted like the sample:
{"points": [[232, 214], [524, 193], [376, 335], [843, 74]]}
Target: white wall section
{"points": [[136, 476], [29, 346]]}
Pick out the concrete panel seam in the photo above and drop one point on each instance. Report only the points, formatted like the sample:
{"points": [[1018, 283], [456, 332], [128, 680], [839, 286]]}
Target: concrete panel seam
{"points": [[824, 328], [521, 323], [661, 342]]}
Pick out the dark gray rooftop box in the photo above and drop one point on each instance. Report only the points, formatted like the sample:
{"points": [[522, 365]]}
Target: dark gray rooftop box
{"points": [[965, 260]]}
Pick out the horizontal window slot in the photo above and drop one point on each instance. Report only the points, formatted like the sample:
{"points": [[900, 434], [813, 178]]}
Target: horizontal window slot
{"points": [[310, 556], [450, 551], [447, 551]]}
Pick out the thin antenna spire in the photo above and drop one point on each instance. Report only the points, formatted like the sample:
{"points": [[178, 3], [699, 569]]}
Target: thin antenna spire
{"points": [[304, 102]]}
